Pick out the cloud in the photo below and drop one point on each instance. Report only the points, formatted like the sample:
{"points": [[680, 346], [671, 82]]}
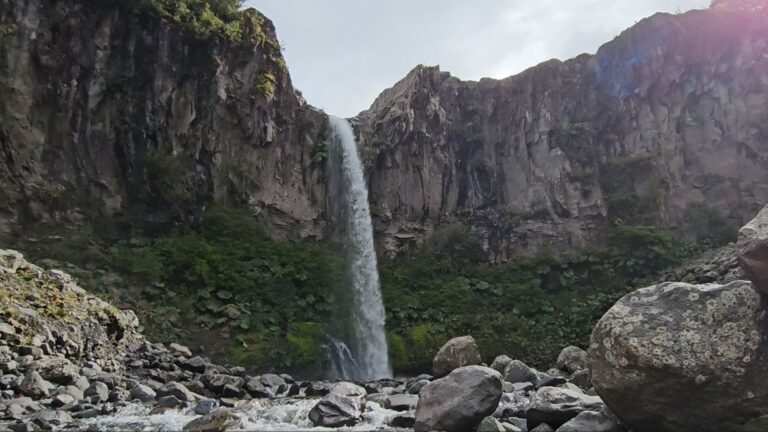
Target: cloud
{"points": [[343, 53]]}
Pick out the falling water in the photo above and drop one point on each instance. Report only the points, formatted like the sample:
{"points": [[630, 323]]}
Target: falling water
{"points": [[369, 359]]}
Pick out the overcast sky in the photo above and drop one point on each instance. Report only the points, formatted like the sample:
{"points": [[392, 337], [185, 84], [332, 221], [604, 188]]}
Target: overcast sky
{"points": [[343, 53]]}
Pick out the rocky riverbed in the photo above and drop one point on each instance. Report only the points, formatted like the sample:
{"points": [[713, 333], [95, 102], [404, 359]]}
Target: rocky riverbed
{"points": [[69, 360]]}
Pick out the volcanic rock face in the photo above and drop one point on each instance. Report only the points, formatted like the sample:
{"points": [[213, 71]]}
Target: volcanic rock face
{"points": [[100, 106], [669, 114], [664, 349]]}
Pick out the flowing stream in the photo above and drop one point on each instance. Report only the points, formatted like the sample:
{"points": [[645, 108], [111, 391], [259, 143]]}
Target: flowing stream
{"points": [[367, 338]]}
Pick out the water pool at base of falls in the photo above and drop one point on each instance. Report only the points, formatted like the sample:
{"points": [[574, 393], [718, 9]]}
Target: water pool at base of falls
{"points": [[286, 414]]}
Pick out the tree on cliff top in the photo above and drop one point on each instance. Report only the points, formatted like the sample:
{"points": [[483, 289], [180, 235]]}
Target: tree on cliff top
{"points": [[746, 5]]}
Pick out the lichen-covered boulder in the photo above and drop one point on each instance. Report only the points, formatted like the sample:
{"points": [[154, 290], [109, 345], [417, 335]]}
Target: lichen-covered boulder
{"points": [[756, 229], [668, 349], [457, 352], [572, 359]]}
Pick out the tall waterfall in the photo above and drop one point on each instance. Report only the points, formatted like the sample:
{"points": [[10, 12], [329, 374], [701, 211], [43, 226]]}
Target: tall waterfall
{"points": [[367, 338]]}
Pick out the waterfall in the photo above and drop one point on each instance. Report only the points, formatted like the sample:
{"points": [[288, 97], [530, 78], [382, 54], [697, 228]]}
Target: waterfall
{"points": [[367, 335]]}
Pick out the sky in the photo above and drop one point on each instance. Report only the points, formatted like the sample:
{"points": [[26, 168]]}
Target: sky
{"points": [[342, 53]]}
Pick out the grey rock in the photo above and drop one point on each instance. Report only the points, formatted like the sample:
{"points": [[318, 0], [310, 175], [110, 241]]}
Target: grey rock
{"points": [[401, 402], [57, 370], [255, 388], [177, 349], [756, 229], [591, 421], [176, 389], [195, 364], [572, 359], [457, 352], [459, 401], [416, 387], [219, 420], [500, 363], [33, 351], [169, 402], [490, 424], [53, 417], [216, 382], [230, 391], [98, 392], [205, 406], [62, 400], [335, 410], [555, 406], [543, 428], [663, 349], [403, 420], [34, 385], [143, 393], [8, 367], [517, 371]]}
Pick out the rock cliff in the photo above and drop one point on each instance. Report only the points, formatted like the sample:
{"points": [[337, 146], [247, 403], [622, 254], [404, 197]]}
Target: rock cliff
{"points": [[664, 123], [105, 110]]}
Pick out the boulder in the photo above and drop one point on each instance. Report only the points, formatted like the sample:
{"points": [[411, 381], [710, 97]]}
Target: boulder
{"points": [[543, 428], [756, 229], [500, 363], [572, 359], [517, 371], [490, 424], [218, 420], [459, 401], [57, 370], [34, 385], [335, 410], [401, 402], [662, 350], [98, 392], [216, 382], [176, 389], [591, 421], [403, 420], [143, 393], [195, 364], [555, 406], [177, 349], [753, 260], [457, 352]]}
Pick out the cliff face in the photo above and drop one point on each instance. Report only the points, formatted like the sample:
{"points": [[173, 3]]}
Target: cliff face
{"points": [[668, 119], [104, 109]]}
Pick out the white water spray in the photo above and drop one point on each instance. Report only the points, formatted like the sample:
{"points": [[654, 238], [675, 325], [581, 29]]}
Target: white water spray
{"points": [[371, 360]]}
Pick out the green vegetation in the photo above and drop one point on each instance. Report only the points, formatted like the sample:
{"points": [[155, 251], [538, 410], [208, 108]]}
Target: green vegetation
{"points": [[211, 18], [530, 308], [632, 192], [708, 226], [268, 304]]}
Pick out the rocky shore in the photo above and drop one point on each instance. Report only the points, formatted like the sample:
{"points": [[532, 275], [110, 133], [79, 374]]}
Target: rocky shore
{"points": [[69, 360]]}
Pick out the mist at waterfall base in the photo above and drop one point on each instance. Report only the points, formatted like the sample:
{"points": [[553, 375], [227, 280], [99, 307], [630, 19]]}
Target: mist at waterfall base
{"points": [[360, 350]]}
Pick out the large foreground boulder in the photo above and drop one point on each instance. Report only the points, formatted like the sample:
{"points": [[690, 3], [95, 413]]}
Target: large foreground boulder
{"points": [[667, 351], [457, 352], [459, 401]]}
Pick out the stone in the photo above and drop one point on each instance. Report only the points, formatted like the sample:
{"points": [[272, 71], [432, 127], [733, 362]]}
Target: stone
{"points": [[459, 401], [572, 359], [416, 387], [753, 260], [663, 349], [216, 382], [500, 363], [274, 382], [317, 389], [218, 420], [334, 411], [205, 406], [457, 352], [255, 388], [543, 428], [62, 400], [581, 379], [517, 371], [98, 392], [53, 417], [555, 406], [143, 393], [195, 364], [176, 389], [57, 370], [591, 421], [8, 366], [403, 420], [169, 402], [549, 381], [177, 349], [230, 391], [490, 424], [34, 386], [35, 352], [401, 402], [756, 229]]}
